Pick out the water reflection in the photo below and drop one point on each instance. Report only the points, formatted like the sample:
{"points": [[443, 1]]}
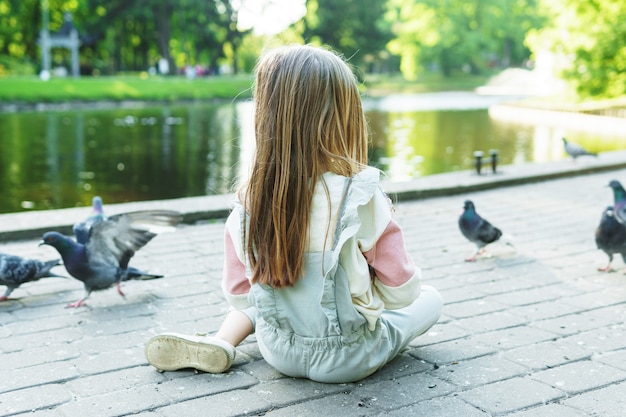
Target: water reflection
{"points": [[61, 159]]}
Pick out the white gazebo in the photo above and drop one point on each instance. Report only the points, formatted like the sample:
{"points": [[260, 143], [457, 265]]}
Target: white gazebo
{"points": [[66, 37]]}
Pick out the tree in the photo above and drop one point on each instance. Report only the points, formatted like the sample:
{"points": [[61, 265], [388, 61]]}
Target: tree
{"points": [[120, 35], [125, 35], [234, 36], [459, 34], [353, 27], [587, 38], [200, 33], [414, 34]]}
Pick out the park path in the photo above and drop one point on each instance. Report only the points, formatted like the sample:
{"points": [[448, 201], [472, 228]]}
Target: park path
{"points": [[534, 330]]}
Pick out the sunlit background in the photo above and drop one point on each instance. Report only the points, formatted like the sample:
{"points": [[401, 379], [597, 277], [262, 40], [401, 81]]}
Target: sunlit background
{"points": [[62, 158], [417, 61]]}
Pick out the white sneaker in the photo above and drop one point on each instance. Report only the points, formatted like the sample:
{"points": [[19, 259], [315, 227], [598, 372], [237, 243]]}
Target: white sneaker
{"points": [[173, 351]]}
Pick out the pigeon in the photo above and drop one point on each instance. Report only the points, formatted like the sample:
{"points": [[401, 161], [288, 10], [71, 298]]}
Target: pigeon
{"points": [[81, 229], [477, 230], [619, 201], [574, 150], [15, 270], [611, 237], [102, 261]]}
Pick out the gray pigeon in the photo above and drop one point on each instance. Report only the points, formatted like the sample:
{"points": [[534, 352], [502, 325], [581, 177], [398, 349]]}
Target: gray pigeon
{"points": [[81, 229], [15, 270], [102, 261], [477, 230], [574, 150], [619, 200], [611, 237]]}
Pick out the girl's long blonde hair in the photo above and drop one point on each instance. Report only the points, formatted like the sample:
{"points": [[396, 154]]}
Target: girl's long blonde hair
{"points": [[308, 120]]}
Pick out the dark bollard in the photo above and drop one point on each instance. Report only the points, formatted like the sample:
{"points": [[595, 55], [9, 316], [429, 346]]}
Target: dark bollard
{"points": [[494, 160], [478, 161]]}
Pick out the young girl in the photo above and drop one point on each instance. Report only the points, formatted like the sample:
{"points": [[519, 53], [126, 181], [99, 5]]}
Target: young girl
{"points": [[314, 263]]}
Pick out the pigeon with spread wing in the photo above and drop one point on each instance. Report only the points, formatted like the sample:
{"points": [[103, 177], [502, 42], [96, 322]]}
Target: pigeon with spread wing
{"points": [[102, 260]]}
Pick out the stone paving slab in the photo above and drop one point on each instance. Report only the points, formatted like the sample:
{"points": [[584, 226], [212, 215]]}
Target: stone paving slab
{"points": [[532, 330]]}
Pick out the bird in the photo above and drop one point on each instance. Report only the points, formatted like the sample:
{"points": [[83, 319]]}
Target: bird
{"points": [[81, 229], [619, 201], [611, 237], [574, 150], [476, 229], [102, 260], [16, 270]]}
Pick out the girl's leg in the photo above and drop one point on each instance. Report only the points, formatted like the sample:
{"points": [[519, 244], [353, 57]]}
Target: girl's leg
{"points": [[405, 324], [235, 328]]}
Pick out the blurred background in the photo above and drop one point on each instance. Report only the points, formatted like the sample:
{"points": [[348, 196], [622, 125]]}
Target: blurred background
{"points": [[149, 99]]}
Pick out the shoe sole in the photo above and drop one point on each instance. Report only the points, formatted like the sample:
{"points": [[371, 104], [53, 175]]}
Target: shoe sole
{"points": [[174, 352]]}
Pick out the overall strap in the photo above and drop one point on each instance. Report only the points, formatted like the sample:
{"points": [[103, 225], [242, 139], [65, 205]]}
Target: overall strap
{"points": [[328, 302], [342, 209]]}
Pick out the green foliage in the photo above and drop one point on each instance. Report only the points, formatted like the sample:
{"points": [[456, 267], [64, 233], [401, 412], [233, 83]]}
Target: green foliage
{"points": [[587, 41], [19, 27], [126, 35], [11, 66], [458, 34], [355, 28], [413, 36]]}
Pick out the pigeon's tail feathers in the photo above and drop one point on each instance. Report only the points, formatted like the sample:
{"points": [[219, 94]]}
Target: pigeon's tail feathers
{"points": [[134, 273], [46, 266], [498, 235], [148, 277]]}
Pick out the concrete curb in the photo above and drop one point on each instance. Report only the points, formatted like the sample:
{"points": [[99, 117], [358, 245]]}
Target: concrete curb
{"points": [[28, 225]]}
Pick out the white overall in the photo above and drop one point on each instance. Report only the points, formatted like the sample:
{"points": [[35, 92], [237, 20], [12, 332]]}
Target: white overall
{"points": [[312, 330]]}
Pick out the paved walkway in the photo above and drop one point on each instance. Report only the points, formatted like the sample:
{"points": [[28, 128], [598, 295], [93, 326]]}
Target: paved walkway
{"points": [[532, 331]]}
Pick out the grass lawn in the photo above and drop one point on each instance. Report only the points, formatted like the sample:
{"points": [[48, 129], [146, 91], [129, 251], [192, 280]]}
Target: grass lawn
{"points": [[118, 88], [381, 85], [154, 88], [31, 90]]}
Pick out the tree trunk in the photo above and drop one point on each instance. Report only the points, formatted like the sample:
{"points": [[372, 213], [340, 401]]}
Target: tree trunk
{"points": [[163, 14]]}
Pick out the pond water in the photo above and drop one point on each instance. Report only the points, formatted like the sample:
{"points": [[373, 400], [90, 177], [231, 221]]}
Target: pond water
{"points": [[58, 159]]}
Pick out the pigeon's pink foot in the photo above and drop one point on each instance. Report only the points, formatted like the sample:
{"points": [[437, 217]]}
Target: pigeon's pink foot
{"points": [[77, 304], [471, 259], [605, 268], [119, 289], [4, 298]]}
